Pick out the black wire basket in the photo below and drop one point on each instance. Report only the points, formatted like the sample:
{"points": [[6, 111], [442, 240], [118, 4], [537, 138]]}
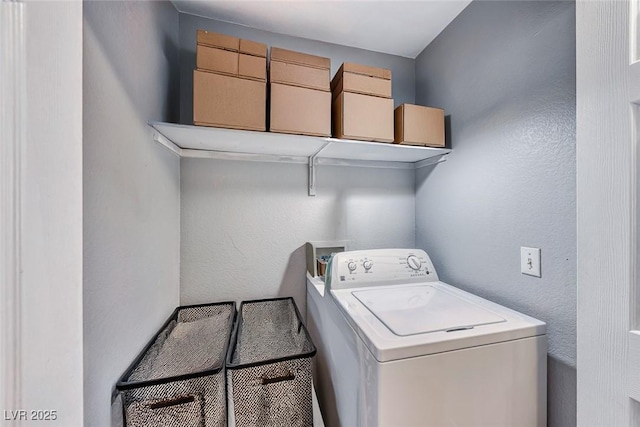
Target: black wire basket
{"points": [[178, 380]]}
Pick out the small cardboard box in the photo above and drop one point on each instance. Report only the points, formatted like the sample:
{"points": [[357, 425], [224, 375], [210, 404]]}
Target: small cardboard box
{"points": [[418, 125], [234, 44], [359, 83], [292, 57], [299, 69], [253, 67], [229, 55], [217, 60], [365, 70], [300, 110], [362, 117], [362, 79], [299, 75], [222, 41], [227, 101]]}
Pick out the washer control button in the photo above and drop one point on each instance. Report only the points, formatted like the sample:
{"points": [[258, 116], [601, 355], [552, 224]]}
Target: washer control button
{"points": [[367, 265], [414, 262], [351, 266]]}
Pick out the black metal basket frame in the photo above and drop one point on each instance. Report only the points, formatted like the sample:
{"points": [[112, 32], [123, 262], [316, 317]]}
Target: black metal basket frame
{"points": [[123, 384], [234, 338]]}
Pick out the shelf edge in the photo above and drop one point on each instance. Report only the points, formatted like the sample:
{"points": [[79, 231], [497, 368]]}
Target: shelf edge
{"points": [[329, 161], [165, 142], [252, 157]]}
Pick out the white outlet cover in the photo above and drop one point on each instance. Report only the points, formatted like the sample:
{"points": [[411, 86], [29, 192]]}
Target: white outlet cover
{"points": [[530, 261]]}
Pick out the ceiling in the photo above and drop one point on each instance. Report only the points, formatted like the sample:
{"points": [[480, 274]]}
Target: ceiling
{"points": [[401, 28]]}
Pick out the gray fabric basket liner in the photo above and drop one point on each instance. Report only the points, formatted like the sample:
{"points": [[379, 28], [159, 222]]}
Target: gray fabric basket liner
{"points": [[269, 330], [193, 342], [196, 342], [269, 368]]}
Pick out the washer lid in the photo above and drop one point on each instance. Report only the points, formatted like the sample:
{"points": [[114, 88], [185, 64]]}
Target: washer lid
{"points": [[421, 309]]}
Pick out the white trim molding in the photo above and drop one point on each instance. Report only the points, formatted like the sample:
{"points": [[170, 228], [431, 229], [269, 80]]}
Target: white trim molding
{"points": [[12, 143]]}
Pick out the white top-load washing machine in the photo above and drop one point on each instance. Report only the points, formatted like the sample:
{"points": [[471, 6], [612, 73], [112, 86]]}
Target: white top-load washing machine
{"points": [[399, 348]]}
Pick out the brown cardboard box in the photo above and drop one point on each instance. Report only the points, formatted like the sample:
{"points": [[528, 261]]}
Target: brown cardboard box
{"points": [[418, 125], [253, 48], [229, 55], [226, 101], [299, 75], [299, 69], [222, 41], [366, 70], [363, 117], [291, 57], [229, 62], [359, 83], [253, 67], [300, 110], [362, 79], [218, 60]]}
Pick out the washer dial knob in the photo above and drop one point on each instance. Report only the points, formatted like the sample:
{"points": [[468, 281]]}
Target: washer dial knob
{"points": [[414, 262], [351, 266], [367, 265]]}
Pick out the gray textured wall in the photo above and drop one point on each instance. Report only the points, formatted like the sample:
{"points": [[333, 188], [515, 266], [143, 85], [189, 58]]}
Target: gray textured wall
{"points": [[505, 74], [131, 189], [402, 68], [244, 224]]}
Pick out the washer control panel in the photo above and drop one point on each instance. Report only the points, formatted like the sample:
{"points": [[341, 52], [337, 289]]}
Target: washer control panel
{"points": [[380, 267]]}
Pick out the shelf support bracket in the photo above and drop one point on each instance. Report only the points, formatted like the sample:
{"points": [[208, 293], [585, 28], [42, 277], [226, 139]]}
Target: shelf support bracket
{"points": [[165, 142], [313, 162], [431, 161]]}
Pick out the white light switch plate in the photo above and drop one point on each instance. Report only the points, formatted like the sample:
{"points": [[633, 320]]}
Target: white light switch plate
{"points": [[530, 261]]}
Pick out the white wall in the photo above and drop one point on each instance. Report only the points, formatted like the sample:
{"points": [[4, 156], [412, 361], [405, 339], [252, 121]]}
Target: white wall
{"points": [[505, 74], [244, 224], [131, 189]]}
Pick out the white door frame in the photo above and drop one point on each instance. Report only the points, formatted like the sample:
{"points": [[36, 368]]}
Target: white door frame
{"points": [[607, 89], [12, 140], [41, 335]]}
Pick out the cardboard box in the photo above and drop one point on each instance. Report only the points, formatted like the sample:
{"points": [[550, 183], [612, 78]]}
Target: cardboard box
{"points": [[299, 75], [230, 55], [418, 125], [300, 110], [226, 101], [218, 60], [222, 41], [365, 70], [231, 63], [362, 117], [291, 57], [253, 67], [359, 83], [299, 69], [357, 78], [253, 48]]}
